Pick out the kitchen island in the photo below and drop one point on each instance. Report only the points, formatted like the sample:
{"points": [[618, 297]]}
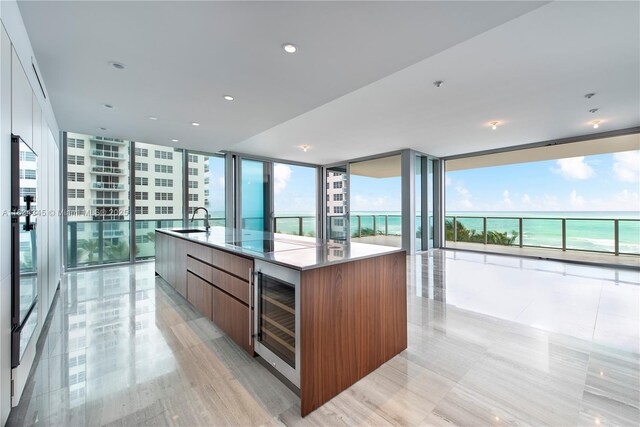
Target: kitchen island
{"points": [[323, 314]]}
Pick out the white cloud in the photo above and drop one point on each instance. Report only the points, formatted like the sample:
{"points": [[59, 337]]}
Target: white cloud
{"points": [[626, 166], [447, 180], [575, 200], [506, 199], [574, 168], [463, 199], [282, 174], [526, 199]]}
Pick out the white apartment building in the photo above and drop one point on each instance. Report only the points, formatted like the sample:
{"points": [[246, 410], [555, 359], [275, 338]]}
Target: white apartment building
{"points": [[99, 186], [336, 203]]}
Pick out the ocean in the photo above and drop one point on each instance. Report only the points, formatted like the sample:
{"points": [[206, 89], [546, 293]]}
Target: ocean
{"points": [[593, 231]]}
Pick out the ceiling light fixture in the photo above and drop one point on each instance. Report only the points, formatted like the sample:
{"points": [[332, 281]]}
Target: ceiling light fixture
{"points": [[289, 48], [590, 95], [101, 128], [108, 106], [174, 140], [117, 65], [494, 125], [305, 148], [593, 110], [195, 124], [228, 97], [153, 118], [438, 83], [596, 124]]}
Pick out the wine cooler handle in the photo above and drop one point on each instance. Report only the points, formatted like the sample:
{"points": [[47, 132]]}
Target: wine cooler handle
{"points": [[250, 305]]}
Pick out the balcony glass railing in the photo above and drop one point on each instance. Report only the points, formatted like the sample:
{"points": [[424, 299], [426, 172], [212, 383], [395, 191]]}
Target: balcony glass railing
{"points": [[295, 225], [107, 186], [108, 140], [607, 235], [107, 170], [108, 202], [97, 242], [107, 154]]}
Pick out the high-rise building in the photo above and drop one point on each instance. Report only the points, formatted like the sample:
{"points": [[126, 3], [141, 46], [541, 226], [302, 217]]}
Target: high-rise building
{"points": [[100, 186]]}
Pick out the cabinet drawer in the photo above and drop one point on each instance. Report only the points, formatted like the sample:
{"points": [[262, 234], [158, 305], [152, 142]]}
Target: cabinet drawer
{"points": [[201, 269], [200, 252], [231, 284], [199, 293], [234, 264], [233, 318]]}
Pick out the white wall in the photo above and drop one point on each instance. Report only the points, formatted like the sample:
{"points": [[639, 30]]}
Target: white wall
{"points": [[25, 111]]}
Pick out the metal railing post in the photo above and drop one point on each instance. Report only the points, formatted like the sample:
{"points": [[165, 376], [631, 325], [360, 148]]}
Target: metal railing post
{"points": [[300, 226], [374, 226], [520, 230], [616, 237], [100, 242], [484, 229], [73, 244], [359, 226], [564, 234], [455, 229], [386, 225]]}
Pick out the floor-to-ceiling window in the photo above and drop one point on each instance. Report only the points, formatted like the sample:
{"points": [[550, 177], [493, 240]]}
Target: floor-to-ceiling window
{"points": [[97, 200], [158, 193], [294, 199], [375, 200], [207, 188], [254, 190]]}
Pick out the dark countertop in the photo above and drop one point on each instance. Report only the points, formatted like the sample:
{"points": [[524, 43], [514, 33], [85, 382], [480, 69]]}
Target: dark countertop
{"points": [[300, 253]]}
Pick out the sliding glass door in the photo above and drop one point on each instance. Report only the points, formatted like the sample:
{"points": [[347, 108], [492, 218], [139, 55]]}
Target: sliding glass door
{"points": [[255, 195]]}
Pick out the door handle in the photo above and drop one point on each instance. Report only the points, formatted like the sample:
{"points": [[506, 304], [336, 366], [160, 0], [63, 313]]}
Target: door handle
{"points": [[250, 305]]}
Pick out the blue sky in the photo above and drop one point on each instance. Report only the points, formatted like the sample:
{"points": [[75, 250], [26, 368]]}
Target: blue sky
{"points": [[605, 182]]}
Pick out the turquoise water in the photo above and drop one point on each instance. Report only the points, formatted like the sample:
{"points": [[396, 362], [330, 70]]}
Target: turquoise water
{"points": [[592, 231]]}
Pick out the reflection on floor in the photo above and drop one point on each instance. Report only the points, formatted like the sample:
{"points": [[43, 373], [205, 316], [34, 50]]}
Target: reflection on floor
{"points": [[492, 340]]}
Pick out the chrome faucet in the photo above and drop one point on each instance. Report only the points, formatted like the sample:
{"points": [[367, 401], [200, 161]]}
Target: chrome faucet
{"points": [[206, 217]]}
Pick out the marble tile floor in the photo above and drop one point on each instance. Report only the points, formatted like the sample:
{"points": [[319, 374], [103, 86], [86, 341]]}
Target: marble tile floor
{"points": [[492, 341]]}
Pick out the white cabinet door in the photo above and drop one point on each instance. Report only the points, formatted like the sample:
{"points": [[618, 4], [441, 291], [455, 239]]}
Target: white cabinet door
{"points": [[21, 102]]}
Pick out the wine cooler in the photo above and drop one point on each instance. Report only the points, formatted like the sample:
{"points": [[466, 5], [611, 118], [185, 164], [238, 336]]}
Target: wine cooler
{"points": [[276, 320]]}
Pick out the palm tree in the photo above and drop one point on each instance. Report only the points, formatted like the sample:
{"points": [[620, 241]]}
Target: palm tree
{"points": [[90, 247]]}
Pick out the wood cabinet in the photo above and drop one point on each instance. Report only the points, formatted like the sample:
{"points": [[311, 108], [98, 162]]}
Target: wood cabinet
{"points": [[216, 282], [200, 294], [232, 317]]}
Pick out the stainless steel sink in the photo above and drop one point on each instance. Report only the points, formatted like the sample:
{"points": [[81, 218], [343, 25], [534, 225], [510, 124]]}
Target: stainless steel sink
{"points": [[189, 230]]}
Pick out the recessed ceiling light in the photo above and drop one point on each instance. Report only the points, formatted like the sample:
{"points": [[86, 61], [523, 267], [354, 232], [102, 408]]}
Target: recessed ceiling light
{"points": [[117, 65], [289, 48], [438, 83], [101, 128], [590, 95], [596, 124], [195, 124], [153, 118], [305, 148], [174, 140], [593, 110], [108, 106], [228, 97], [494, 125]]}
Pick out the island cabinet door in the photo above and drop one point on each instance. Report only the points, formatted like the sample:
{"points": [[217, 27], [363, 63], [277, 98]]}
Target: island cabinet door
{"points": [[180, 266], [160, 260], [170, 255], [233, 317], [200, 294]]}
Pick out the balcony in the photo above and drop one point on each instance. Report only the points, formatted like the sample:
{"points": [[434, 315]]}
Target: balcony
{"points": [[106, 154], [103, 140], [108, 202], [107, 186], [107, 170]]}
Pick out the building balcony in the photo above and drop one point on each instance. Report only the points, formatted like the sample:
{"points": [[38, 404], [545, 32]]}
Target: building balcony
{"points": [[108, 202], [107, 170], [107, 186], [106, 154], [104, 140]]}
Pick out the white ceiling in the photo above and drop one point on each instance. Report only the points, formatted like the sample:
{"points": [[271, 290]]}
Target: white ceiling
{"points": [[361, 83]]}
